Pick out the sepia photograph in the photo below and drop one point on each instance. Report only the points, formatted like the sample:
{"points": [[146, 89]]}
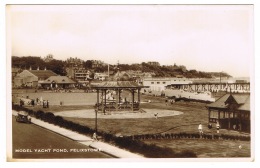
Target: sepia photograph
{"points": [[130, 81]]}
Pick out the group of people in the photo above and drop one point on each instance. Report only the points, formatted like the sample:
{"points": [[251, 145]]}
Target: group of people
{"points": [[200, 127], [170, 101], [33, 102]]}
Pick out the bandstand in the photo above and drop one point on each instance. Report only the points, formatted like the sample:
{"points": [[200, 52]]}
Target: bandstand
{"points": [[109, 96]]}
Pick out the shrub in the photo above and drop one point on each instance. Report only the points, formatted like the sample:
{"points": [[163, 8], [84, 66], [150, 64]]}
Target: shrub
{"points": [[58, 120], [186, 154], [49, 117], [39, 114]]}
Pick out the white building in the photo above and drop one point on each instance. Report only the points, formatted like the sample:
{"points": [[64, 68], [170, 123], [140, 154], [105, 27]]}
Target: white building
{"points": [[100, 76], [157, 86]]}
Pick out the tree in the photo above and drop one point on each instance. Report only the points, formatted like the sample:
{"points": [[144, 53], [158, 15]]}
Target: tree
{"points": [[88, 64], [57, 66]]}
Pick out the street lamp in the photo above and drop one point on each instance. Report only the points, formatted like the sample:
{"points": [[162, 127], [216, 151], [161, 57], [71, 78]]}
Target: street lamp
{"points": [[96, 120]]}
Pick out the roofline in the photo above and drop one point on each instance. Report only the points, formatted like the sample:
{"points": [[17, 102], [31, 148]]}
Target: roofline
{"points": [[31, 73]]}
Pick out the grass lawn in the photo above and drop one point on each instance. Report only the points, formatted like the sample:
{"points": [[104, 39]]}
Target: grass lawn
{"points": [[207, 148]]}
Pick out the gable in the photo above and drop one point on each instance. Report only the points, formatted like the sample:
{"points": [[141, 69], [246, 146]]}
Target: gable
{"points": [[26, 73], [231, 100]]}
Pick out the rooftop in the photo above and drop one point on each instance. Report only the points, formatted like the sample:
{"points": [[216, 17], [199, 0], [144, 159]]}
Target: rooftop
{"points": [[118, 84], [44, 74], [59, 79], [242, 99]]}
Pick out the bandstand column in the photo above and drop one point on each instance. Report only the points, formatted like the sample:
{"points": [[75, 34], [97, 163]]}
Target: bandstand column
{"points": [[104, 106], [138, 95], [119, 95], [102, 100], [117, 101], [229, 125], [133, 99]]}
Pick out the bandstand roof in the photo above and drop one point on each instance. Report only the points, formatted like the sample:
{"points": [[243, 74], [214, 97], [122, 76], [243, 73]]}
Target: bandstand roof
{"points": [[117, 84]]}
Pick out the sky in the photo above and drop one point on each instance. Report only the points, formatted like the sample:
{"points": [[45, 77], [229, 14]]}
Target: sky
{"points": [[211, 38]]}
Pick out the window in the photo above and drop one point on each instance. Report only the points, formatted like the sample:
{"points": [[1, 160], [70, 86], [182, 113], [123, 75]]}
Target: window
{"points": [[152, 82], [164, 82]]}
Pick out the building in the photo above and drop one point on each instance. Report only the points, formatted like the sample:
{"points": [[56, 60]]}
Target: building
{"points": [[159, 84], [156, 84], [74, 62], [48, 58], [101, 76], [153, 63], [81, 74], [57, 82], [232, 111], [97, 63], [31, 78]]}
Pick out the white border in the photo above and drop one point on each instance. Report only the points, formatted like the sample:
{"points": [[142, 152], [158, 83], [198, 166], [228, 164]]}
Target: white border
{"points": [[151, 162]]}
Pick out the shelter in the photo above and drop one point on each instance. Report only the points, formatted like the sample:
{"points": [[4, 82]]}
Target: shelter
{"points": [[111, 99], [232, 111], [58, 82]]}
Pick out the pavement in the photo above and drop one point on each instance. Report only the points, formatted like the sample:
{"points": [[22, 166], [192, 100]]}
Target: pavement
{"points": [[85, 140]]}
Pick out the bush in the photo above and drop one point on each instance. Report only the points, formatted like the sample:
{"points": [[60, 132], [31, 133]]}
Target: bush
{"points": [[49, 117], [39, 114], [186, 154], [58, 120]]}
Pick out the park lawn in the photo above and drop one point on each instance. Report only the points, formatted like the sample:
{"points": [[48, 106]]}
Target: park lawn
{"points": [[194, 113], [206, 148]]}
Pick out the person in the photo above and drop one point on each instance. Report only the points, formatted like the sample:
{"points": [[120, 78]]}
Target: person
{"points": [[43, 104], [218, 127], [94, 136], [209, 126], [21, 103], [200, 129], [166, 102], [32, 102], [156, 115]]}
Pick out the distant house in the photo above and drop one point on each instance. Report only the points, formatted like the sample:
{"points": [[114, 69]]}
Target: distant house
{"points": [[101, 76], [153, 63], [122, 76], [232, 111], [58, 82], [97, 63], [31, 78]]}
